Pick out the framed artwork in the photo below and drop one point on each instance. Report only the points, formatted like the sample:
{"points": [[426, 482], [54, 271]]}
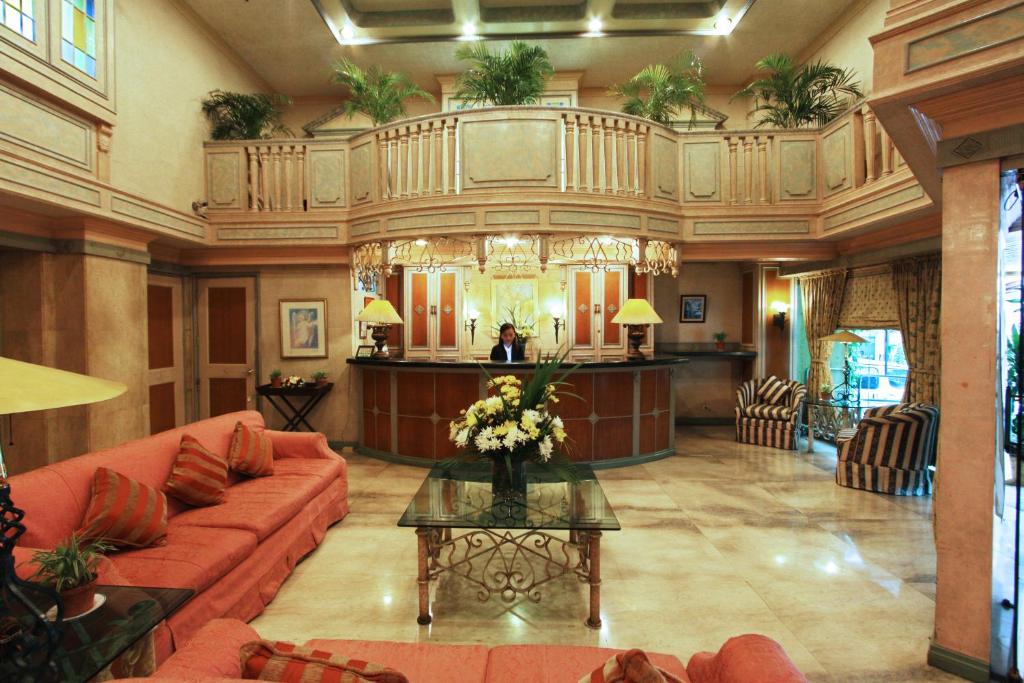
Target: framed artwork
{"points": [[519, 295], [364, 327], [365, 350], [693, 308], [303, 328]]}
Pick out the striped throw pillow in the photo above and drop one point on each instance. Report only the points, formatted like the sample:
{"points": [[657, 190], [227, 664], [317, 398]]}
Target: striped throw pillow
{"points": [[198, 476], [631, 666], [250, 452], [263, 660], [123, 512], [773, 390]]}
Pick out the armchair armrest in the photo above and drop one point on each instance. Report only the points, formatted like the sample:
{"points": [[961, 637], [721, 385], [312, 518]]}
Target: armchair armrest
{"points": [[300, 445], [743, 659], [211, 653], [746, 393]]}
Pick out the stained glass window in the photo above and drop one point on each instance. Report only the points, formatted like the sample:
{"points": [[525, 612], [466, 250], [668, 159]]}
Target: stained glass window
{"points": [[19, 16], [78, 34]]}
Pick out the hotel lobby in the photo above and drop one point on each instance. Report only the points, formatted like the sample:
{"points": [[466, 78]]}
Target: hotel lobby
{"points": [[497, 340]]}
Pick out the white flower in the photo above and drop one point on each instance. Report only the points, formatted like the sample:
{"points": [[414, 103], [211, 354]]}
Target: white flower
{"points": [[514, 436], [486, 441], [557, 422], [462, 438], [546, 447]]}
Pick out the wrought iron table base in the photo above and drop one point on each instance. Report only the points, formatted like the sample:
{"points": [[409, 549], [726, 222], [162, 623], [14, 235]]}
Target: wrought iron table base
{"points": [[508, 562]]}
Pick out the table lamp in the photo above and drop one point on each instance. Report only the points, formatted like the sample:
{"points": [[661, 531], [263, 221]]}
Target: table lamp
{"points": [[381, 315], [637, 314], [28, 387], [844, 337]]}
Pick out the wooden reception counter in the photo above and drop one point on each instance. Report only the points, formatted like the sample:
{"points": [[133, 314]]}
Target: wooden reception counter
{"points": [[626, 415]]}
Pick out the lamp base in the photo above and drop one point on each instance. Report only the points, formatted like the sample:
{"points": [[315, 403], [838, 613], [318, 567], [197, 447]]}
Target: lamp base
{"points": [[380, 335], [636, 338]]}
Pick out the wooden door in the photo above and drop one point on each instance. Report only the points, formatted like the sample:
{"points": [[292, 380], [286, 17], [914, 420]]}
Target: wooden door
{"points": [[433, 314], [613, 287], [417, 314], [166, 369], [227, 345]]}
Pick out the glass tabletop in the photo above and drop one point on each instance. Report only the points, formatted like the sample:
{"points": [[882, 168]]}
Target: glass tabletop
{"points": [[460, 496], [92, 642], [853, 403]]}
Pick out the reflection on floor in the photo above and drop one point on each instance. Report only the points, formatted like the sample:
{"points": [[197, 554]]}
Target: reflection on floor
{"points": [[721, 539]]}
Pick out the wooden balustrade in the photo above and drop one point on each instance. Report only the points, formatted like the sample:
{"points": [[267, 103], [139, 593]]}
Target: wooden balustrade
{"points": [[604, 154], [276, 176]]}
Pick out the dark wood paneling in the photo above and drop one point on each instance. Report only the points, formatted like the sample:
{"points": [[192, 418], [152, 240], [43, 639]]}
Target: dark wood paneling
{"points": [[393, 292], [613, 438], [416, 437], [227, 395], [415, 393], [370, 430], [455, 392], [369, 388], [443, 446], [160, 318], [382, 388], [648, 390], [661, 441], [580, 437], [418, 310], [637, 284], [384, 431], [665, 389], [161, 407], [446, 328], [613, 393], [747, 309], [648, 435], [569, 407], [581, 309], [227, 325], [612, 304], [776, 341]]}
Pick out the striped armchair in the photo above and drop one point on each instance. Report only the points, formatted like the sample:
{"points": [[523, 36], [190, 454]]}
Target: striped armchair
{"points": [[766, 424], [891, 451]]}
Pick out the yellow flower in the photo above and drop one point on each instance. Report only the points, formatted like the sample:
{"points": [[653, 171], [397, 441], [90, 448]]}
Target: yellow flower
{"points": [[471, 420], [559, 434]]}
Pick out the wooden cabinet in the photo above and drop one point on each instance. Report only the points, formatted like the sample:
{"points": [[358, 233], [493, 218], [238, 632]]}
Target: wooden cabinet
{"points": [[433, 314]]}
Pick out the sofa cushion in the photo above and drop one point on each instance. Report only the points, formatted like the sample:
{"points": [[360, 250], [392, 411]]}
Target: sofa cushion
{"points": [[124, 512], [561, 663], [323, 469], [744, 658], [773, 390], [768, 411], [421, 662], [194, 557], [259, 506], [198, 476], [251, 452], [631, 666], [288, 663]]}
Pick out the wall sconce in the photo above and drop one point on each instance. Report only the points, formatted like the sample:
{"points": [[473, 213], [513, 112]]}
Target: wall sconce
{"points": [[471, 325], [557, 315], [779, 319]]}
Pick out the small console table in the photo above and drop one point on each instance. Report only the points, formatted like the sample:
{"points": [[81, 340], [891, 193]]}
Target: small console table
{"points": [[295, 413]]}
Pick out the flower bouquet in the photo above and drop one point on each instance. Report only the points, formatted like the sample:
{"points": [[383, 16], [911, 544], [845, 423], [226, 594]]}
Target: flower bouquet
{"points": [[517, 424]]}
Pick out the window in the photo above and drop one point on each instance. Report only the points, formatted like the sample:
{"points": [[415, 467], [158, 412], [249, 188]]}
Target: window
{"points": [[19, 16], [78, 34], [879, 366]]}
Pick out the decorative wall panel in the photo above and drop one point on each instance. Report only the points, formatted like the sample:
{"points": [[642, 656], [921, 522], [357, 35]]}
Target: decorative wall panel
{"points": [[129, 207], [33, 180], [612, 303], [42, 129], [512, 217], [434, 220], [447, 332], [279, 233], [225, 181], [751, 227], [362, 172], [663, 225], [984, 32], [797, 169], [326, 178], [510, 153], [837, 159], [595, 219], [867, 209], [664, 166], [702, 171], [418, 312]]}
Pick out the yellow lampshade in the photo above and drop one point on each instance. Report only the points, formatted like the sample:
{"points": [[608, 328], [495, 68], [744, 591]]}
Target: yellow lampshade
{"points": [[846, 337], [636, 312], [25, 387], [379, 311]]}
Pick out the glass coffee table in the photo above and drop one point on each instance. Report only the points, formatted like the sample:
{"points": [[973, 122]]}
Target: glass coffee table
{"points": [[829, 418], [503, 544]]}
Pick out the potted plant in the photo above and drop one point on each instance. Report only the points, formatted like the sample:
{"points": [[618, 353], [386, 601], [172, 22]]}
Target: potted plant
{"points": [[70, 569], [320, 377], [719, 341], [241, 116], [513, 76], [379, 94], [790, 96], [659, 91], [826, 391], [275, 378]]}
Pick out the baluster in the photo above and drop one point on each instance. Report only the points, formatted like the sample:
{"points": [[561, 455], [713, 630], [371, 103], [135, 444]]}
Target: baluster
{"points": [[393, 163], [414, 166], [762, 168], [620, 157], [570, 152], [732, 168], [583, 144], [631, 157], [300, 181], [887, 148], [609, 156], [254, 178], [450, 126], [264, 178], [870, 148], [748, 168], [403, 162], [597, 160], [641, 159], [438, 152], [287, 149], [275, 154], [382, 167]]}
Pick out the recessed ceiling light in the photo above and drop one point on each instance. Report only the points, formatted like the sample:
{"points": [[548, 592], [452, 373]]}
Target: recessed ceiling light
{"points": [[724, 25], [594, 26], [348, 32], [468, 30]]}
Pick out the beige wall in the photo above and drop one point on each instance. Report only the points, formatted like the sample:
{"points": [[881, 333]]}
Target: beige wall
{"points": [[165, 63], [335, 416], [847, 45]]}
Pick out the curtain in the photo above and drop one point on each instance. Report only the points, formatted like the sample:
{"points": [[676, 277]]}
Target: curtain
{"points": [[869, 302], [822, 296], [918, 282]]}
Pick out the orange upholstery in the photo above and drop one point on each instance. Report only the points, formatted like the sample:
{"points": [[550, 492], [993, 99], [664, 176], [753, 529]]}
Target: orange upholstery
{"points": [[745, 658], [561, 663], [418, 661]]}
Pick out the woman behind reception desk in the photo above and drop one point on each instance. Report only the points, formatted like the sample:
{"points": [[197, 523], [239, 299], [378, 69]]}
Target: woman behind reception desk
{"points": [[508, 348]]}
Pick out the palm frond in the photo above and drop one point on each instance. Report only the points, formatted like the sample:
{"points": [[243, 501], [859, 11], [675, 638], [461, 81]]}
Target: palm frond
{"points": [[241, 116], [379, 94], [510, 77], [660, 91]]}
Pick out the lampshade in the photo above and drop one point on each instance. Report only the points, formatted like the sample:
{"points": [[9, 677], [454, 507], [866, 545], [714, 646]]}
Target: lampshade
{"points": [[379, 311], [25, 387], [636, 312], [844, 336]]}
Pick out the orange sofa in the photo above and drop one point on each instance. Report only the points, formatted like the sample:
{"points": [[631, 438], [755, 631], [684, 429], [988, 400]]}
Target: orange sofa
{"points": [[235, 555], [213, 657]]}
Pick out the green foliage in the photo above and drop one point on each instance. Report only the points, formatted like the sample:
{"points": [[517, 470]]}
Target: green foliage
{"points": [[320, 374], [379, 94], [514, 76], [660, 91], [525, 326], [790, 96], [719, 336], [239, 116], [275, 373], [71, 564]]}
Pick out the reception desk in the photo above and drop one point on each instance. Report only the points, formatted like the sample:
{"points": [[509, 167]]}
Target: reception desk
{"points": [[626, 413]]}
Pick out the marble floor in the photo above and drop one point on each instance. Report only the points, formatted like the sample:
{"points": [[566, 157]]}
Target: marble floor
{"points": [[719, 540]]}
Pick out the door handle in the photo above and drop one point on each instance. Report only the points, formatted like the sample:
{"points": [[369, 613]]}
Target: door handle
{"points": [[250, 371]]}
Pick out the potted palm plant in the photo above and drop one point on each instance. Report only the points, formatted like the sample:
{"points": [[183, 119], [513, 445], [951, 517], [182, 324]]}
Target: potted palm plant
{"points": [[70, 569], [791, 96], [275, 377], [513, 76], [660, 91], [719, 338], [320, 377], [241, 116], [378, 94]]}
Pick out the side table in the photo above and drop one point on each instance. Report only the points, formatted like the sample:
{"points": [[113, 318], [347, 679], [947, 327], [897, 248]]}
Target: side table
{"points": [[295, 413]]}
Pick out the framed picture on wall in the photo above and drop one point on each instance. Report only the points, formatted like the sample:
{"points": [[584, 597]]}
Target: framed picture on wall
{"points": [[303, 328], [693, 308]]}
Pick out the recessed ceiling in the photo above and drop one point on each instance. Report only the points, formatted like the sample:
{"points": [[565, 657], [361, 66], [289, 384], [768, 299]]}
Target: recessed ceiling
{"points": [[292, 47]]}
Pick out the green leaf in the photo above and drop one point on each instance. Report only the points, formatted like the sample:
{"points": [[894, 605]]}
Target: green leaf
{"points": [[379, 94], [511, 77], [240, 116], [659, 91]]}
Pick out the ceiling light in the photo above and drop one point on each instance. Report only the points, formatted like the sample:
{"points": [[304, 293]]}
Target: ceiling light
{"points": [[348, 33], [468, 30], [594, 26], [724, 25]]}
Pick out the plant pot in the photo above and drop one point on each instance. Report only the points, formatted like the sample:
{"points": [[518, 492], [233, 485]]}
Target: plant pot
{"points": [[79, 600], [825, 395], [719, 346], [321, 382], [504, 485], [276, 382]]}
